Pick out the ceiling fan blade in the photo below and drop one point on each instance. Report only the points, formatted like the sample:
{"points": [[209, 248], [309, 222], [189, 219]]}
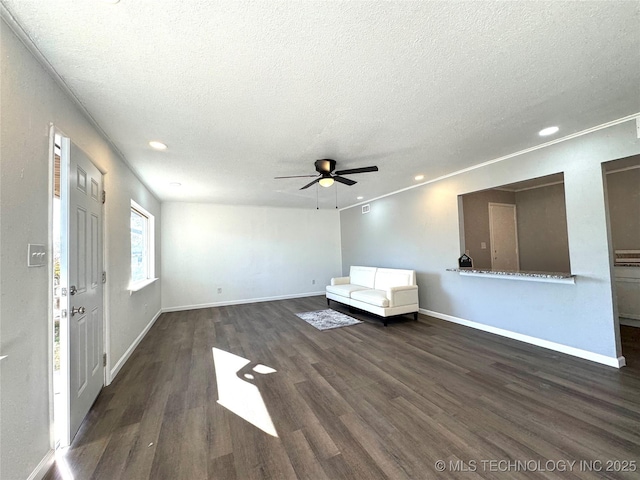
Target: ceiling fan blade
{"points": [[297, 176], [357, 170], [346, 181], [309, 184]]}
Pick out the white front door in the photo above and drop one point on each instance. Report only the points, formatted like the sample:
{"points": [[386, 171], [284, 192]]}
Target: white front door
{"points": [[503, 235], [82, 204]]}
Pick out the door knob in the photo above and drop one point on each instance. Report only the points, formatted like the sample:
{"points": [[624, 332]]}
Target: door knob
{"points": [[75, 310]]}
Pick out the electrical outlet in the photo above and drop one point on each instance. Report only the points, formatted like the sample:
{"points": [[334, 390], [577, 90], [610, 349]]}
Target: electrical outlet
{"points": [[219, 289], [483, 245]]}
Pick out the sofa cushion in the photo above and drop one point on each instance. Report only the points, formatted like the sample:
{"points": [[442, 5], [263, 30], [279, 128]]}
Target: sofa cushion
{"points": [[344, 290], [374, 297], [364, 276], [392, 277]]}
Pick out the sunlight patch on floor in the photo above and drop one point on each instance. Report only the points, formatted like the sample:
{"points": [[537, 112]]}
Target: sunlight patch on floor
{"points": [[237, 393], [62, 465]]}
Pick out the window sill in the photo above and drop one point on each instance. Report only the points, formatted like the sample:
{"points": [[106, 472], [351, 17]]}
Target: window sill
{"points": [[136, 287], [547, 277]]}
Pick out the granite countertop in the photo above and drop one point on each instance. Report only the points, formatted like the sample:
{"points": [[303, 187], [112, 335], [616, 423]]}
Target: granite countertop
{"points": [[636, 264], [511, 273]]}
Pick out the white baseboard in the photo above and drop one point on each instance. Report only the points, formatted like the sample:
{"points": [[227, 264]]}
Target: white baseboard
{"points": [[240, 302], [558, 347], [116, 368], [43, 467]]}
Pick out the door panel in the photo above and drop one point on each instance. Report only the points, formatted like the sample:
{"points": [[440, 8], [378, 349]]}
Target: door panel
{"points": [[80, 252], [503, 237], [96, 349], [85, 306], [95, 275]]}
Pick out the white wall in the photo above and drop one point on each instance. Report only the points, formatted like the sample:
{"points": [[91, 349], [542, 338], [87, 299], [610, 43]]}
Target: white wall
{"points": [[31, 100], [249, 252], [419, 229]]}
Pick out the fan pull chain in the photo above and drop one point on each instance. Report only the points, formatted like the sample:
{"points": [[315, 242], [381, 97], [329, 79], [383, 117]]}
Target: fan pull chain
{"points": [[336, 195], [317, 197]]}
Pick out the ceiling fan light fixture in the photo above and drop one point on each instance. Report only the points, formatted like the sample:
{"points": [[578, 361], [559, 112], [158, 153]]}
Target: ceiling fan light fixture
{"points": [[326, 182]]}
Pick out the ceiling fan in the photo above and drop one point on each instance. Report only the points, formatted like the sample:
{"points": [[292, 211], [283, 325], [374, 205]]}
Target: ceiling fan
{"points": [[326, 175]]}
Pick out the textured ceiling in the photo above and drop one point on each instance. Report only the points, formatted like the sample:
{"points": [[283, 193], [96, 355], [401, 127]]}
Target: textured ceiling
{"points": [[244, 91]]}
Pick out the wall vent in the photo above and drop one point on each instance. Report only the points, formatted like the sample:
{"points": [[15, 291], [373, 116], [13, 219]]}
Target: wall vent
{"points": [[366, 208]]}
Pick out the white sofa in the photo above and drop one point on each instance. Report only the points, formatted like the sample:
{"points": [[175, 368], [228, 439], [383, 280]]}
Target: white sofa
{"points": [[382, 291]]}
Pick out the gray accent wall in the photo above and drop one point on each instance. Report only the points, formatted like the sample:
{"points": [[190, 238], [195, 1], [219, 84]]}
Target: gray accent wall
{"points": [[419, 229], [31, 100], [476, 223], [543, 244], [624, 208]]}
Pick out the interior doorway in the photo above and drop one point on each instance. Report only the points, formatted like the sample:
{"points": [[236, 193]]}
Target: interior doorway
{"points": [[622, 188], [503, 235]]}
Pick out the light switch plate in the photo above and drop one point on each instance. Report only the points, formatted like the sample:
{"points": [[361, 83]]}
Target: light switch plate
{"points": [[37, 255]]}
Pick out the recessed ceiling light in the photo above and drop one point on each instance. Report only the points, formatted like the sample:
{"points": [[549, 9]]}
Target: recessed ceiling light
{"points": [[359, 198], [548, 131], [419, 177], [157, 145], [175, 184]]}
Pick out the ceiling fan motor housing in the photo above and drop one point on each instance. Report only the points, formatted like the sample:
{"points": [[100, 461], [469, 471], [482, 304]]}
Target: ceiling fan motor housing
{"points": [[325, 166]]}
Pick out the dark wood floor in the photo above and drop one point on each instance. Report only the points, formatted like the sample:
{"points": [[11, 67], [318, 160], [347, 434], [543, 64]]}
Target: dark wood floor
{"points": [[363, 402]]}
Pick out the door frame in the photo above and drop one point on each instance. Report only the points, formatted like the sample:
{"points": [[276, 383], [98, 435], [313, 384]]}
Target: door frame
{"points": [[65, 371], [64, 365], [515, 224]]}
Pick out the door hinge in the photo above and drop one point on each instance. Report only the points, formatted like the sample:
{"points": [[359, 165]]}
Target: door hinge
{"points": [[104, 196], [63, 314], [104, 277], [104, 359]]}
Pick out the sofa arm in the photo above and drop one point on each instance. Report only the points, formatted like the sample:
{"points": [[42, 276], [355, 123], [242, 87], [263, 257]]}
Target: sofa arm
{"points": [[340, 281], [405, 295]]}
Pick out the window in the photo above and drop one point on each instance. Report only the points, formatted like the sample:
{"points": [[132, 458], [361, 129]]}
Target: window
{"points": [[142, 247]]}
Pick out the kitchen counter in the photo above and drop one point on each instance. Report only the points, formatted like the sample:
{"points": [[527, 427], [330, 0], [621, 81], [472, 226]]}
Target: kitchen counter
{"points": [[550, 277]]}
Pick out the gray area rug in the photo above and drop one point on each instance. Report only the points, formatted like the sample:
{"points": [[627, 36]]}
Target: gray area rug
{"points": [[327, 319]]}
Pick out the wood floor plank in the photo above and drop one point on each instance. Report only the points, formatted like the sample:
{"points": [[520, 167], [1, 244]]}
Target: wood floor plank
{"points": [[194, 449], [304, 461], [116, 453], [143, 451], [365, 401]]}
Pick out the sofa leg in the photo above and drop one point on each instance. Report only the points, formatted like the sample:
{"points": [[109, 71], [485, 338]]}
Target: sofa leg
{"points": [[328, 304], [385, 322], [415, 316]]}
